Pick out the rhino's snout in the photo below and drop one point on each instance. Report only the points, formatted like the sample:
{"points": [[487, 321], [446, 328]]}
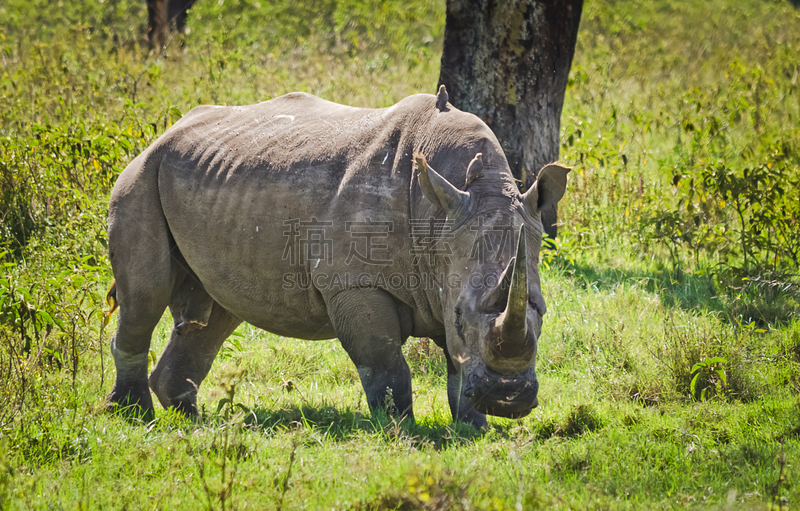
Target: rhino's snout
{"points": [[504, 396]]}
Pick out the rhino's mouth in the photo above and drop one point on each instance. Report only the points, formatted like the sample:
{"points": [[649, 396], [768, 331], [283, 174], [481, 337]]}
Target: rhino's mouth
{"points": [[492, 393]]}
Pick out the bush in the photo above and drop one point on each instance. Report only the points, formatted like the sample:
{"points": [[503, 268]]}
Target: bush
{"points": [[702, 167], [701, 364]]}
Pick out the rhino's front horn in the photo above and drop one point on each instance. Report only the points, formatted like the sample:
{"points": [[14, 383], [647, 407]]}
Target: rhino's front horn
{"points": [[514, 331]]}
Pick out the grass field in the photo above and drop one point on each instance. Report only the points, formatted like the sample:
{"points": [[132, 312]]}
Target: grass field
{"points": [[670, 357]]}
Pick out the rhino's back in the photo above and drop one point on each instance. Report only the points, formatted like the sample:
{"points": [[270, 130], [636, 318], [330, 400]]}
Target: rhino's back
{"points": [[295, 128], [317, 148], [243, 187]]}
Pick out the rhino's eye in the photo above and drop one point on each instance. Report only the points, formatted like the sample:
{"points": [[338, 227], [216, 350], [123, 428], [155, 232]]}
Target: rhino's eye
{"points": [[457, 310]]}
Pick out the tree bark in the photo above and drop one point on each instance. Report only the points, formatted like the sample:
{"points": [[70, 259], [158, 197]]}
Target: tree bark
{"points": [[163, 15], [507, 61]]}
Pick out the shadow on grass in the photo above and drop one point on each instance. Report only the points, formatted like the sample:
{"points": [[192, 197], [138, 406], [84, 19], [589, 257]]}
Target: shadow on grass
{"points": [[753, 301], [676, 289], [345, 424]]}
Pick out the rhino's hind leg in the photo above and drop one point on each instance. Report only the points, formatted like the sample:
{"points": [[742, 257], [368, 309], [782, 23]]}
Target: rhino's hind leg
{"points": [[188, 357], [140, 250], [191, 306], [140, 310], [130, 347], [368, 325]]}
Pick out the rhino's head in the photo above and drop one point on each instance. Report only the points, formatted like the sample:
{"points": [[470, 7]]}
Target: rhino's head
{"points": [[493, 319]]}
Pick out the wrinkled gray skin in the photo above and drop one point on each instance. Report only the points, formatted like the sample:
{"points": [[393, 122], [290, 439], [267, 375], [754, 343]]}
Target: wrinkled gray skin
{"points": [[199, 223]]}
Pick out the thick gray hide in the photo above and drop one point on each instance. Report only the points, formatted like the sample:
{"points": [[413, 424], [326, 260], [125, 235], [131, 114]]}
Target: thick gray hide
{"points": [[258, 214]]}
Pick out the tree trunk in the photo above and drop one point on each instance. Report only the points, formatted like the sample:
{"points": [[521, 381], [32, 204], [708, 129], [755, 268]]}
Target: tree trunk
{"points": [[507, 61], [157, 23], [163, 15]]}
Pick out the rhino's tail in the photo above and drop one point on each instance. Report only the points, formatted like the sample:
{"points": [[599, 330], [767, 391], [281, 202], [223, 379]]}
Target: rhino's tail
{"points": [[111, 298]]}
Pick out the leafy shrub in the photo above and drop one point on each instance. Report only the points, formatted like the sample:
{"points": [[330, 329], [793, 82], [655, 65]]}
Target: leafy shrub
{"points": [[703, 166], [57, 177], [53, 185], [48, 323], [708, 374]]}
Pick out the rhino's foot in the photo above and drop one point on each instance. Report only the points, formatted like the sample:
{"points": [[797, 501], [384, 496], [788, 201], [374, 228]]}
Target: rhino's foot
{"points": [[458, 397], [186, 408], [388, 391], [173, 391], [476, 419], [392, 418], [132, 402], [181, 398], [465, 413]]}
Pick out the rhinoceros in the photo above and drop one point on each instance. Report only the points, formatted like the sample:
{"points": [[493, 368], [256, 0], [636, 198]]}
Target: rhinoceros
{"points": [[315, 220]]}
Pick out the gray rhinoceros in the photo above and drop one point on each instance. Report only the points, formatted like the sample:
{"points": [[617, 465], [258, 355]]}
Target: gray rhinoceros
{"points": [[315, 220]]}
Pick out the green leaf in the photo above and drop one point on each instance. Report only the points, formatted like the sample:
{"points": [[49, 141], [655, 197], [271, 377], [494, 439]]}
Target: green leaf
{"points": [[60, 324], [693, 385], [222, 403], [45, 318]]}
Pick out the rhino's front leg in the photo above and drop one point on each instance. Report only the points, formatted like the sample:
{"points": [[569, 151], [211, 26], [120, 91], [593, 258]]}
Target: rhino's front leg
{"points": [[460, 406], [368, 325]]}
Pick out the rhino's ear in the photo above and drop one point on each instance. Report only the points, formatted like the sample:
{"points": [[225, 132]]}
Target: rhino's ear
{"points": [[474, 169], [438, 190], [549, 187]]}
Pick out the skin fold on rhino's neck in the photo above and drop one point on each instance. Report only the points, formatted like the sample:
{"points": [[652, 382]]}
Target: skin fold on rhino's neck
{"points": [[494, 196]]}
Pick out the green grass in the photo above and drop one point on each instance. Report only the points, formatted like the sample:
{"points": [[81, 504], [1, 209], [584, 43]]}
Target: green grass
{"points": [[592, 443], [284, 422]]}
